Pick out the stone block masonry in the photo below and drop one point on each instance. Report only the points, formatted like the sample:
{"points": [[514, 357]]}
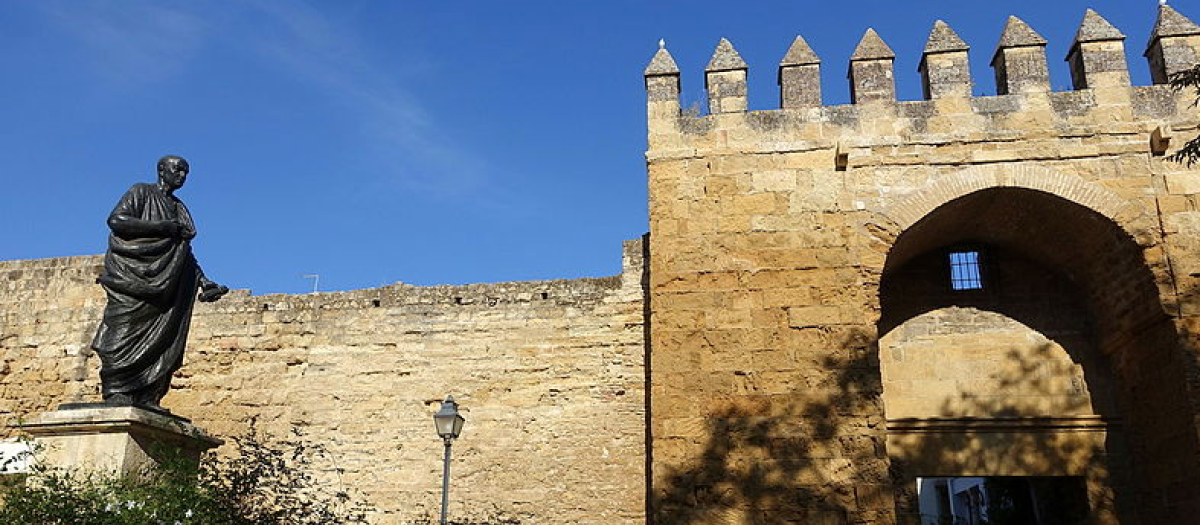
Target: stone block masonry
{"points": [[550, 375], [795, 249], [793, 351]]}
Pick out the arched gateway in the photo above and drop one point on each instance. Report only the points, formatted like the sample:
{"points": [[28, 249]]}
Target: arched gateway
{"points": [[877, 313], [1019, 325], [852, 308]]}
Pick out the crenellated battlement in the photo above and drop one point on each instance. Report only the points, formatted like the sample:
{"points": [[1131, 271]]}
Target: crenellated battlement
{"points": [[803, 266], [25, 282], [1102, 93]]}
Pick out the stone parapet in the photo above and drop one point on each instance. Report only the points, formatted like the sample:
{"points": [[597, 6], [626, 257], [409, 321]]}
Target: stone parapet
{"points": [[1024, 102], [550, 375], [785, 361]]}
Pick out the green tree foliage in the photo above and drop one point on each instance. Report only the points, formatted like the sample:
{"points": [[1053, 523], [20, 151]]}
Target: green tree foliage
{"points": [[1181, 80], [258, 484]]}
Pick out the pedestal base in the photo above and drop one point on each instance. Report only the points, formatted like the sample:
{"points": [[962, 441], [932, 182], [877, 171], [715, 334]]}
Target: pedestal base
{"points": [[115, 439]]}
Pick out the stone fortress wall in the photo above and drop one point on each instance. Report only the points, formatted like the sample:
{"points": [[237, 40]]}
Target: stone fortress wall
{"points": [[550, 375], [805, 360], [809, 359]]}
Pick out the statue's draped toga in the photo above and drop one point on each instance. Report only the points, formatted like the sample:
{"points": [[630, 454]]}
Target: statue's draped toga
{"points": [[152, 280]]}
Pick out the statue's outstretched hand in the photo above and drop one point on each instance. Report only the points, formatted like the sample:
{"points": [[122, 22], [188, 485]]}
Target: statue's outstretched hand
{"points": [[210, 291]]}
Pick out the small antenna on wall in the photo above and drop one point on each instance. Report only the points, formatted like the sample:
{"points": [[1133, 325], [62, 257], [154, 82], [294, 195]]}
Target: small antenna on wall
{"points": [[316, 280]]}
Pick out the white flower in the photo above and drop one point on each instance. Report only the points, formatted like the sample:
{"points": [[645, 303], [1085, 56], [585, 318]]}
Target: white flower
{"points": [[188, 513]]}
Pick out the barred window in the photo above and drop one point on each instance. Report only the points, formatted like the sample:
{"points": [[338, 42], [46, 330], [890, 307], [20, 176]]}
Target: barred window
{"points": [[965, 273]]}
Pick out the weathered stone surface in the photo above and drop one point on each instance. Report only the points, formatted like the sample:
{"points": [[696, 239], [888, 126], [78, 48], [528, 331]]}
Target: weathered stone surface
{"points": [[1017, 33], [1174, 44], [1097, 56], [725, 58], [942, 38], [944, 68], [662, 64], [871, 74], [800, 76], [1095, 28], [550, 375], [1171, 23], [725, 80], [790, 355], [799, 350], [799, 54], [872, 47], [114, 439], [1020, 60]]}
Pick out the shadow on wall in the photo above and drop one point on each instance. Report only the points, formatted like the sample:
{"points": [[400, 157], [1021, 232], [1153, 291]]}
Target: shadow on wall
{"points": [[802, 463], [809, 462], [1012, 441]]}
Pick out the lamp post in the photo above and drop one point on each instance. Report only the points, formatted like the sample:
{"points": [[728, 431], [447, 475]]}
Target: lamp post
{"points": [[449, 424]]}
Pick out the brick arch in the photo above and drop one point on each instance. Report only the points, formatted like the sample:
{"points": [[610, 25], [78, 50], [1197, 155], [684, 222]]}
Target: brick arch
{"points": [[913, 207]]}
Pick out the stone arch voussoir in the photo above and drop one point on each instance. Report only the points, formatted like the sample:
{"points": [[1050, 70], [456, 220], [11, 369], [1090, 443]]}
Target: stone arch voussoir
{"points": [[890, 220], [913, 207]]}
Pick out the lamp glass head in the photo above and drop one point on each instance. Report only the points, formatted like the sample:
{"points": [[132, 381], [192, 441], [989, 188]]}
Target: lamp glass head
{"points": [[448, 421]]}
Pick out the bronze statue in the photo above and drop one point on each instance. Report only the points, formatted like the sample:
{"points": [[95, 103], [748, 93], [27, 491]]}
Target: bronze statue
{"points": [[152, 280]]}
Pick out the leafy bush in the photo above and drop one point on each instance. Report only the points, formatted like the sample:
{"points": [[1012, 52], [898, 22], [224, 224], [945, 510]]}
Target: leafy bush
{"points": [[259, 484]]}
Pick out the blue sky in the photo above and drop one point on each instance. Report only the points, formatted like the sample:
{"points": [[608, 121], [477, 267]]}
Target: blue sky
{"points": [[426, 142]]}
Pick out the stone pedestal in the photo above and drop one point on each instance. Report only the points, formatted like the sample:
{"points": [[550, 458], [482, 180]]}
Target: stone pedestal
{"points": [[115, 439]]}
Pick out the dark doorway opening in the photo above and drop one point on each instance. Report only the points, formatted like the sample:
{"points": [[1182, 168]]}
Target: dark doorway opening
{"points": [[1003, 500]]}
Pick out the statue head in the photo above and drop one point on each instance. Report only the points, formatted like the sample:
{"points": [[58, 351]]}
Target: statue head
{"points": [[172, 172]]}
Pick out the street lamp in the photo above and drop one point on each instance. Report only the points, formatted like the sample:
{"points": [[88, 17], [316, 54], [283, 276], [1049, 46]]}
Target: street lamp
{"points": [[449, 424]]}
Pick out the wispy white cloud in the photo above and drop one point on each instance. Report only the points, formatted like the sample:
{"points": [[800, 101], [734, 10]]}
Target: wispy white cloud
{"points": [[141, 41], [312, 47], [130, 42]]}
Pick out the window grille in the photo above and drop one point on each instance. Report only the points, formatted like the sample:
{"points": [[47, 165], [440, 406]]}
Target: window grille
{"points": [[965, 273]]}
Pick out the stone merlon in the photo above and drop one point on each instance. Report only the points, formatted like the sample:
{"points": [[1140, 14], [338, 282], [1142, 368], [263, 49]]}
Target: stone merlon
{"points": [[799, 54], [725, 58], [1096, 61], [944, 66], [799, 76], [1095, 28], [1017, 34], [1097, 56], [872, 47], [662, 85], [943, 39], [1171, 23], [1174, 45], [871, 75], [662, 64], [725, 80]]}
